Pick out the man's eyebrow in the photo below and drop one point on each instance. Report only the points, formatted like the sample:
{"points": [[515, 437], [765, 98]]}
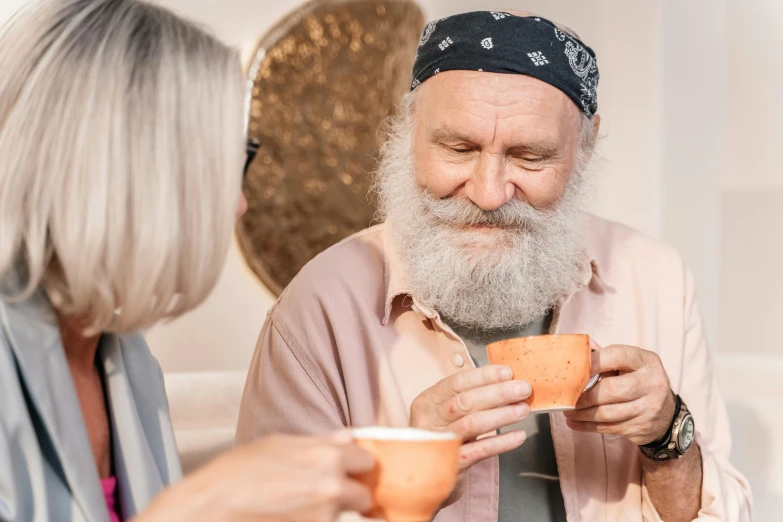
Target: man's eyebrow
{"points": [[444, 135], [541, 148]]}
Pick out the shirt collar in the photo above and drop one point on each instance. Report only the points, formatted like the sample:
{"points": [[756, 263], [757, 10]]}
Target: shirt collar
{"points": [[396, 283]]}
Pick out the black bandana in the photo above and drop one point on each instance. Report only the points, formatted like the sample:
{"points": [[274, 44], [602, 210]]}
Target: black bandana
{"points": [[504, 43]]}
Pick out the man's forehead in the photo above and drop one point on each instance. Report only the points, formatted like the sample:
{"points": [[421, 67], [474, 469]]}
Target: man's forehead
{"points": [[465, 99]]}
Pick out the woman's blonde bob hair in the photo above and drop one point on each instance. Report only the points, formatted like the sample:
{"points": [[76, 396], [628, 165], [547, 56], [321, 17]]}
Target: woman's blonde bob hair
{"points": [[121, 153]]}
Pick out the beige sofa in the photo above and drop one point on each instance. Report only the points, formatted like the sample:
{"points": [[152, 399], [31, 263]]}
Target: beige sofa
{"points": [[204, 409]]}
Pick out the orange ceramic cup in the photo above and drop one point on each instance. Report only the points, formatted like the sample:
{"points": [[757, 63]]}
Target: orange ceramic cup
{"points": [[415, 471], [556, 366]]}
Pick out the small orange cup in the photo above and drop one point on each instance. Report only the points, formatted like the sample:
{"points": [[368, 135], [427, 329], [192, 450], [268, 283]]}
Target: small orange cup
{"points": [[416, 470], [556, 366]]}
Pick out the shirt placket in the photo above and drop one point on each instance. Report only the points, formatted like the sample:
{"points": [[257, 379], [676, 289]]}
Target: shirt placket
{"points": [[460, 356], [562, 437]]}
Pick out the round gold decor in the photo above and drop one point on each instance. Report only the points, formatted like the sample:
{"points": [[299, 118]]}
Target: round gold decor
{"points": [[323, 81]]}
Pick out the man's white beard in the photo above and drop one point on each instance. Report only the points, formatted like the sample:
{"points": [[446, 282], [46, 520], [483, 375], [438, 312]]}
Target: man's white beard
{"points": [[498, 278]]}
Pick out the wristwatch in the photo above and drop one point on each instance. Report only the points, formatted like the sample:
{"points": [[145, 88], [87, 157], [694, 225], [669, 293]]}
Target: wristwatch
{"points": [[677, 439]]}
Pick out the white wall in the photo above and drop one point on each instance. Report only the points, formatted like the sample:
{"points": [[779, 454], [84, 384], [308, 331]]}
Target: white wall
{"points": [[751, 185], [750, 203], [692, 112]]}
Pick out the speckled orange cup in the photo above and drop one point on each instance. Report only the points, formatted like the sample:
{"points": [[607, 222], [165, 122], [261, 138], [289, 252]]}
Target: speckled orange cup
{"points": [[556, 366], [415, 471]]}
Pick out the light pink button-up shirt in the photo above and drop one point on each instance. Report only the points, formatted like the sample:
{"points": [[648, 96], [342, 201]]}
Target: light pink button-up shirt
{"points": [[347, 344]]}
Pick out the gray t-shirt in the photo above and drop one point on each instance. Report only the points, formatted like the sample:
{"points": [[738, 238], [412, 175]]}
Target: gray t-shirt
{"points": [[529, 480]]}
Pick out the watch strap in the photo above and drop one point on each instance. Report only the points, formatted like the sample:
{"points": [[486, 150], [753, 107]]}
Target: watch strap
{"points": [[665, 448]]}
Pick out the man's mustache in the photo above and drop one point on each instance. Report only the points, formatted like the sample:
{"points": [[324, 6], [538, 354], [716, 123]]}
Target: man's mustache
{"points": [[457, 211]]}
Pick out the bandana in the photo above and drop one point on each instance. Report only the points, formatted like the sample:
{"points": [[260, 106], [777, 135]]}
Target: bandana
{"points": [[504, 43]]}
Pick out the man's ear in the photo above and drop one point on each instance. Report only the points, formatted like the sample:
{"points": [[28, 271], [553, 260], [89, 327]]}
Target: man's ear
{"points": [[596, 124]]}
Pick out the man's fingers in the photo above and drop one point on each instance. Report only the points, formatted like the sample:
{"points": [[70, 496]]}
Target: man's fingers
{"points": [[471, 379], [479, 423], [611, 390], [605, 428], [479, 450], [618, 357], [428, 410], [355, 497], [484, 398], [617, 412]]}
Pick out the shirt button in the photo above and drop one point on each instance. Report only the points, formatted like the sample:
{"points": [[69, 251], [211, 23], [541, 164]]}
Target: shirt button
{"points": [[458, 360]]}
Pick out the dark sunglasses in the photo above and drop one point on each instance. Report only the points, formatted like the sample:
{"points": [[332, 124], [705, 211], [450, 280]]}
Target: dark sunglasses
{"points": [[252, 150]]}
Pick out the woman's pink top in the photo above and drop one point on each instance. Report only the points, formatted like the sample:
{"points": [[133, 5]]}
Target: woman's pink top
{"points": [[109, 492]]}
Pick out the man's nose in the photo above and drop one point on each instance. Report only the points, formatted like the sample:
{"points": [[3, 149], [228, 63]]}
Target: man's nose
{"points": [[488, 187]]}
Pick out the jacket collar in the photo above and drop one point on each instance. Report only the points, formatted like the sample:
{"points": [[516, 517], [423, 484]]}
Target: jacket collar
{"points": [[34, 337]]}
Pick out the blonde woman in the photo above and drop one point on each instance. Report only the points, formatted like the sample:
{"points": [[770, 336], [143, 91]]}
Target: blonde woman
{"points": [[121, 154]]}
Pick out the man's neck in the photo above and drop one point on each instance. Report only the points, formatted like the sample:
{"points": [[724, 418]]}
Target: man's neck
{"points": [[538, 327]]}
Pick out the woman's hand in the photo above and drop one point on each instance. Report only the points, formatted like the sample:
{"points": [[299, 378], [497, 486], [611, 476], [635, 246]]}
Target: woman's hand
{"points": [[277, 479]]}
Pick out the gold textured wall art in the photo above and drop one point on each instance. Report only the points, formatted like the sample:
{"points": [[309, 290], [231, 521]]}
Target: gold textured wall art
{"points": [[322, 82]]}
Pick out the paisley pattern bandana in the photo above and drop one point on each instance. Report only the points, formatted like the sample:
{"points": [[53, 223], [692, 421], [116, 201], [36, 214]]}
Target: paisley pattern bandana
{"points": [[504, 43]]}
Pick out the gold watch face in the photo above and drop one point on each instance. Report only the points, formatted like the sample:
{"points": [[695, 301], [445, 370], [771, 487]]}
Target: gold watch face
{"points": [[686, 433]]}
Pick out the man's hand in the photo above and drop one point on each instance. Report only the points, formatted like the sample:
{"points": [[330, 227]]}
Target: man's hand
{"points": [[473, 403], [636, 404]]}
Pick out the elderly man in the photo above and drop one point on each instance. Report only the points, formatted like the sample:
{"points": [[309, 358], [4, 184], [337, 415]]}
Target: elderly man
{"points": [[483, 185]]}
